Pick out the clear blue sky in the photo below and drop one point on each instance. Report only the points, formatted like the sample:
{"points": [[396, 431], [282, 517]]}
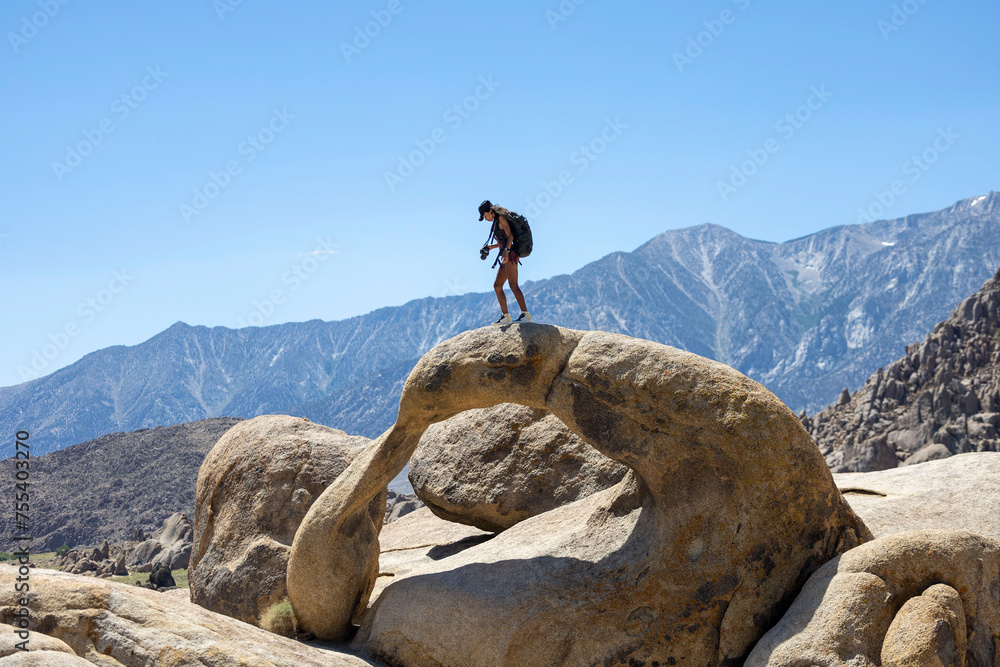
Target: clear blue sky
{"points": [[187, 90]]}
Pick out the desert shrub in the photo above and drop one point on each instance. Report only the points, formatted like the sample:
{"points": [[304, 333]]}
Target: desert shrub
{"points": [[61, 551], [280, 619]]}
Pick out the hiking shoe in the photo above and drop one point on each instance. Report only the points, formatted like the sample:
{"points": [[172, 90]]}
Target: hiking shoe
{"points": [[524, 317], [504, 319]]}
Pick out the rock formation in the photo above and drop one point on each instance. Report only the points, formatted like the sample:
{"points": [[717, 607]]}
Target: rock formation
{"points": [[917, 598], [103, 561], [959, 493], [929, 629], [141, 558], [169, 546], [398, 505], [175, 538], [494, 467], [253, 489], [113, 624], [726, 511], [941, 399]]}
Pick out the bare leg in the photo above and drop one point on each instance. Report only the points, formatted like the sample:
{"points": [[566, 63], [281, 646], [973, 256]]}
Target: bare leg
{"points": [[498, 287], [512, 279]]}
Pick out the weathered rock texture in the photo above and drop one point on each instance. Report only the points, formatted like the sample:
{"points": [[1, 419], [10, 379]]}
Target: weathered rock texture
{"points": [[35, 642], [113, 624], [44, 659], [942, 398], [727, 509], [253, 489], [494, 467], [958, 493], [864, 608]]}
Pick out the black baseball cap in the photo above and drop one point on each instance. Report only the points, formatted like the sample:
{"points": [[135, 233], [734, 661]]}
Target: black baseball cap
{"points": [[484, 207]]}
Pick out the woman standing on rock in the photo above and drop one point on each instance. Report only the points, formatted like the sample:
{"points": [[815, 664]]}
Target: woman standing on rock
{"points": [[509, 259]]}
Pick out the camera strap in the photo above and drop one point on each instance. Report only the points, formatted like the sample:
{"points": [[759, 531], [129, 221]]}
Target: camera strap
{"points": [[491, 237]]}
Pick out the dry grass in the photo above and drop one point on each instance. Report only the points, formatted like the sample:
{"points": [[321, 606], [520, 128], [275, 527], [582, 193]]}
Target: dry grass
{"points": [[280, 619], [44, 560]]}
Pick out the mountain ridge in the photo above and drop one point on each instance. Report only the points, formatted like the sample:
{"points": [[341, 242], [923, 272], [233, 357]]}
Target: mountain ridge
{"points": [[941, 398], [805, 317]]}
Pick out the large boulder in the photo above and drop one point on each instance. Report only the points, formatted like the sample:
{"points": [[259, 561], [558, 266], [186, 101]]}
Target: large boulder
{"points": [[114, 624], [493, 467], [144, 554], [175, 537], [417, 540], [928, 631], [961, 492], [160, 577], [100, 553], [726, 511], [905, 599], [170, 546], [36, 642], [253, 489]]}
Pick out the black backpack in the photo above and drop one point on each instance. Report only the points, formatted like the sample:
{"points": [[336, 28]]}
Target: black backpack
{"points": [[519, 228]]}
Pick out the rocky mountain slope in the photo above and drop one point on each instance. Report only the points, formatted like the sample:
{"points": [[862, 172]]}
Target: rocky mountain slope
{"points": [[108, 487], [806, 318], [941, 398]]}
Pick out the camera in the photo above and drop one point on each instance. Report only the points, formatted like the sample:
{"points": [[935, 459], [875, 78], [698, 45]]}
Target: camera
{"points": [[484, 252]]}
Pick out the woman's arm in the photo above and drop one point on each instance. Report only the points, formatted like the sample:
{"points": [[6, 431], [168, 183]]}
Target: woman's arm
{"points": [[505, 228]]}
